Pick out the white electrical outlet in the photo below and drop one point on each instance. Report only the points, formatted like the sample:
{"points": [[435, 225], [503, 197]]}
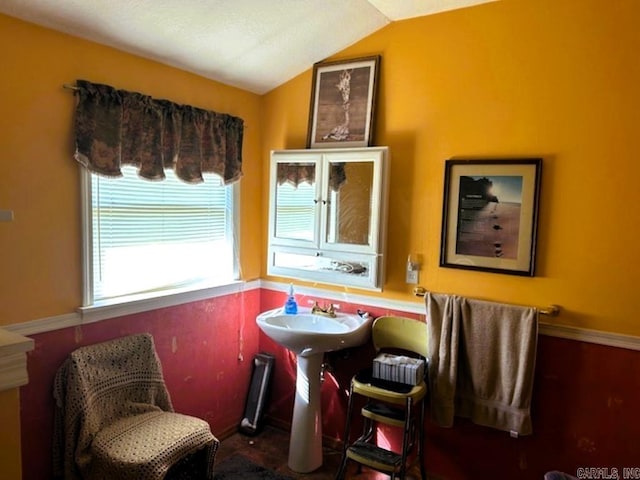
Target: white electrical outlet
{"points": [[412, 271], [6, 215]]}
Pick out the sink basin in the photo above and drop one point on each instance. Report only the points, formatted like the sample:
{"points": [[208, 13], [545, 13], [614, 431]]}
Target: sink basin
{"points": [[307, 333], [309, 336]]}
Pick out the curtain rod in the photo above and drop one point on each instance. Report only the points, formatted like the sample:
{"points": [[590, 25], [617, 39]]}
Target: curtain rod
{"points": [[550, 311], [74, 88]]}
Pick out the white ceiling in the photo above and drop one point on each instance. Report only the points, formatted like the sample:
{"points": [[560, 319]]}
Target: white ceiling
{"points": [[255, 45]]}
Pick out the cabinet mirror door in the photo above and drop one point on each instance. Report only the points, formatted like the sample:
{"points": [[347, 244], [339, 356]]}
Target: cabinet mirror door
{"points": [[349, 193], [296, 201]]}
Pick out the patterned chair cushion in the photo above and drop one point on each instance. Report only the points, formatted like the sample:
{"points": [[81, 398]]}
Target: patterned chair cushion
{"points": [[145, 446]]}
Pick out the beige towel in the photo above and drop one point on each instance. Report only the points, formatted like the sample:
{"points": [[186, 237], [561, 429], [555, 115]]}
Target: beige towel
{"points": [[443, 329], [481, 362]]}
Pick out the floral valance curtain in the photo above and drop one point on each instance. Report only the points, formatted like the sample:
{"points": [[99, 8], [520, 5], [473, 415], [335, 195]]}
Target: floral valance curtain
{"points": [[116, 127]]}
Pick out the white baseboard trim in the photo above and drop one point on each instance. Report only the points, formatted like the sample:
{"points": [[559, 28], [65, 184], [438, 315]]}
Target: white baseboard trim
{"points": [[48, 324], [347, 297], [87, 315], [587, 335]]}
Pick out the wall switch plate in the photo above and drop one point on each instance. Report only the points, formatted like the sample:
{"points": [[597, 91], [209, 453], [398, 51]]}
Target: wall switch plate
{"points": [[6, 215]]}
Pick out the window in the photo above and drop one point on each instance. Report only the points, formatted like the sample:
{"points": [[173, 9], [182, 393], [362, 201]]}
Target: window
{"points": [[148, 238]]}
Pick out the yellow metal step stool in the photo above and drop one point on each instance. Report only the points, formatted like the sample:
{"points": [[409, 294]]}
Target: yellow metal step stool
{"points": [[389, 403]]}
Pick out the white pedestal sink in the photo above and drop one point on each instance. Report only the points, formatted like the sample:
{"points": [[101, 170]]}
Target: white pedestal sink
{"points": [[309, 336]]}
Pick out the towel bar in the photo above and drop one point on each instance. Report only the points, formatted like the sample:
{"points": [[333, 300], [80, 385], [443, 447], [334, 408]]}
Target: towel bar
{"points": [[550, 311]]}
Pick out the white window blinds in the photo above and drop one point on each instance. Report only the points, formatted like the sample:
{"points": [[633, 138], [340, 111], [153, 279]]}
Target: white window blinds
{"points": [[159, 236]]}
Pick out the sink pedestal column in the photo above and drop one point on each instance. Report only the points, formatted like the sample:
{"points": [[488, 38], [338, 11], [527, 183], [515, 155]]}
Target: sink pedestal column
{"points": [[305, 445]]}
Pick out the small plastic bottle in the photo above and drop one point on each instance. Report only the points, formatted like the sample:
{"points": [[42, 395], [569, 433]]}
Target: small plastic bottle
{"points": [[291, 306]]}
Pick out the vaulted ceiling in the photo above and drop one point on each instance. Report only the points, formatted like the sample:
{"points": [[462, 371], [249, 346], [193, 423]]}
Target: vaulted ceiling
{"points": [[255, 45]]}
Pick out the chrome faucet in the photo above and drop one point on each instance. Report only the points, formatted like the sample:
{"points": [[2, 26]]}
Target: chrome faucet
{"points": [[327, 311]]}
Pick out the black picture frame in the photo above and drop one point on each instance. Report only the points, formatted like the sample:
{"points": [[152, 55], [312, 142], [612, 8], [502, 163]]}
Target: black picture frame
{"points": [[343, 98], [490, 215]]}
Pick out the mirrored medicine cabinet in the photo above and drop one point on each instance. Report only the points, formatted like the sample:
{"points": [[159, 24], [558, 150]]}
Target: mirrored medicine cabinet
{"points": [[327, 215]]}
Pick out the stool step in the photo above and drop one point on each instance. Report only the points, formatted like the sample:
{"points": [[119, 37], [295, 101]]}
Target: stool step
{"points": [[374, 457], [382, 412]]}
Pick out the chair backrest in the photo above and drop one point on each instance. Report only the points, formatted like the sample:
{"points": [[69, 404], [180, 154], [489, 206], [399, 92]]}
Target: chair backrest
{"points": [[120, 376], [389, 332]]}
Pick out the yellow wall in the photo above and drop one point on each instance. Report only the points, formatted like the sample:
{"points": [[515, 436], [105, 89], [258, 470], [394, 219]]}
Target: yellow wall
{"points": [[556, 78], [551, 78], [40, 270], [40, 249]]}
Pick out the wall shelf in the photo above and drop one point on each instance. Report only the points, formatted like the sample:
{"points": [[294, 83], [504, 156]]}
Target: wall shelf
{"points": [[13, 359]]}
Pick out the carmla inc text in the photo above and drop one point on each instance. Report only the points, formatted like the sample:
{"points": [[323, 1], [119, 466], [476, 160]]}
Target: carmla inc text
{"points": [[610, 473]]}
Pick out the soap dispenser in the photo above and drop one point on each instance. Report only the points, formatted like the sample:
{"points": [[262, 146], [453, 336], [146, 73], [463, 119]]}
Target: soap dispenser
{"points": [[291, 306]]}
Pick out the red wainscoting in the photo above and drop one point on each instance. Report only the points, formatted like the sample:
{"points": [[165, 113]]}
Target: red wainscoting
{"points": [[585, 407], [206, 349], [585, 414]]}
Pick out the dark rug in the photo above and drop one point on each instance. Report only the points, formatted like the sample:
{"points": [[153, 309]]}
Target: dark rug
{"points": [[238, 467]]}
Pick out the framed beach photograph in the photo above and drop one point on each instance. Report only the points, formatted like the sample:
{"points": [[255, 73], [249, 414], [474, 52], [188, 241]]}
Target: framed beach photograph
{"points": [[343, 96], [490, 215]]}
